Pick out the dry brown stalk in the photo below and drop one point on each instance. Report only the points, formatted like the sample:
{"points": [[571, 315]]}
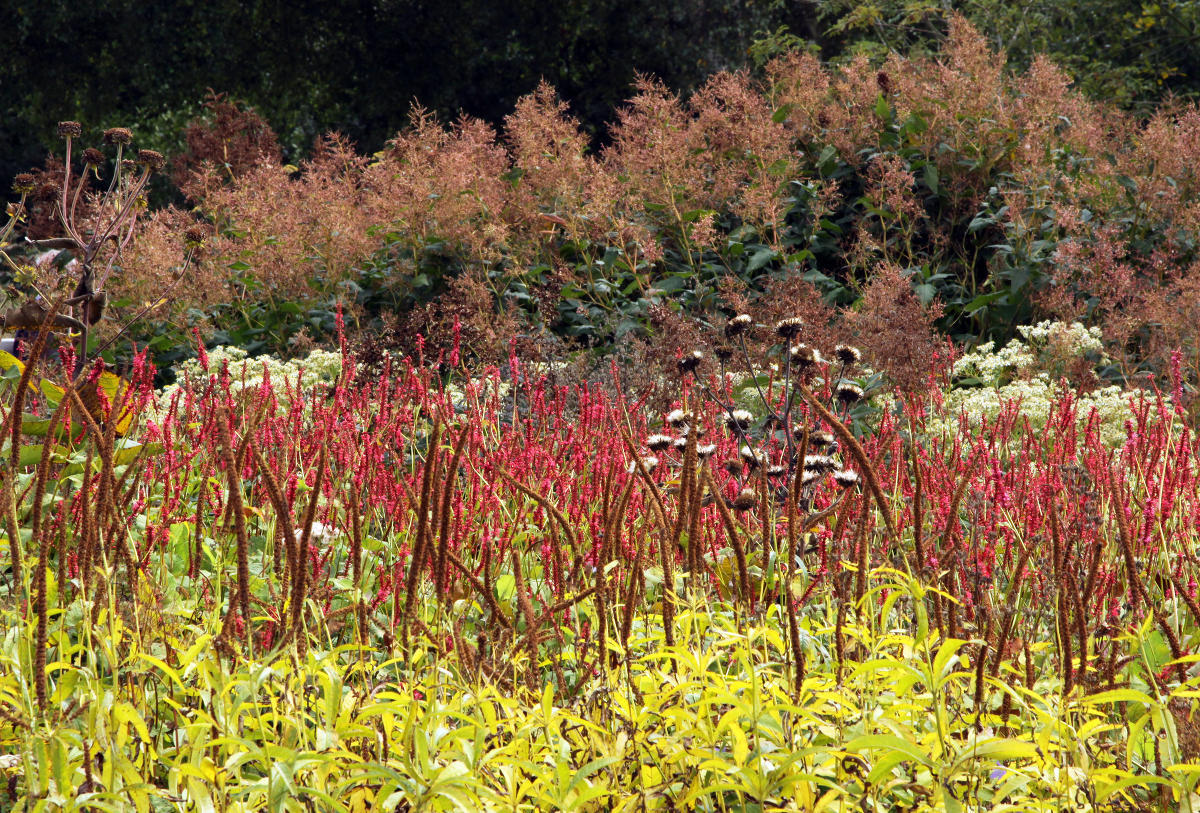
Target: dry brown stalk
{"points": [[525, 602], [418, 551], [980, 661], [449, 477], [299, 585], [859, 455], [735, 540], [237, 500], [42, 540], [480, 588], [283, 515]]}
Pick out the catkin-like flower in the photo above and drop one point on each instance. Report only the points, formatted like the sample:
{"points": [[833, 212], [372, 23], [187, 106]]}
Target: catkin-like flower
{"points": [[657, 443], [70, 129], [789, 328], [738, 325], [847, 355], [739, 420], [691, 362]]}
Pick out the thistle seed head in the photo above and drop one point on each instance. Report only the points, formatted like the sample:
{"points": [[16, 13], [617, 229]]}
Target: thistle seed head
{"points": [[739, 420], [745, 500], [733, 467], [677, 418], [848, 393], [691, 362], [803, 356], [846, 478], [723, 353], [789, 328], [847, 355], [656, 443], [819, 463], [738, 325], [706, 451]]}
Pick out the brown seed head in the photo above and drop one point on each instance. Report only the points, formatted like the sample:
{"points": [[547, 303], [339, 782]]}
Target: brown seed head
{"points": [[93, 157], [151, 159], [70, 129], [24, 183], [738, 325], [745, 500], [789, 328], [194, 235], [118, 135]]}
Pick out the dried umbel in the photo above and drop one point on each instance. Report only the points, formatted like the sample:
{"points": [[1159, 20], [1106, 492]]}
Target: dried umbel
{"points": [[118, 136], [70, 129]]}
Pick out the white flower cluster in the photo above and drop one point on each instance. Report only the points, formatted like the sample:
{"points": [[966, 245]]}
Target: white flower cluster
{"points": [[318, 368], [1027, 371]]}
